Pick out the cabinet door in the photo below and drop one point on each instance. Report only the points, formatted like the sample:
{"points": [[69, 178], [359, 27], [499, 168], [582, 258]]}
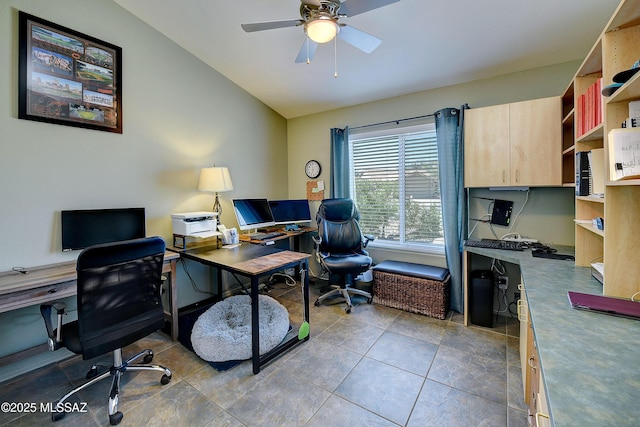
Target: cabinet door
{"points": [[523, 317], [542, 414], [486, 146], [536, 142]]}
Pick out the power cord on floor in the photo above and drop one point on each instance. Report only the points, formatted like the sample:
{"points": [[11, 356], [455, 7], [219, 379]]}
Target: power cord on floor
{"points": [[288, 280], [193, 282]]}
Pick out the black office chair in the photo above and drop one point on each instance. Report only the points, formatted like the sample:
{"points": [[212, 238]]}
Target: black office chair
{"points": [[339, 248], [118, 304]]}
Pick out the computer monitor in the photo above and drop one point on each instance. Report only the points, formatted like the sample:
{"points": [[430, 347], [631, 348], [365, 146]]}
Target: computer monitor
{"points": [[84, 228], [253, 213], [290, 211]]}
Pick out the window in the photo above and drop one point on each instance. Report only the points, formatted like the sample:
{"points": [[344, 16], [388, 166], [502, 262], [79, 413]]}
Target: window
{"points": [[395, 183]]}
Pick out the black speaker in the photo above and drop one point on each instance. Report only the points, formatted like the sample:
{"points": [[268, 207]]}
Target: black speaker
{"points": [[481, 298]]}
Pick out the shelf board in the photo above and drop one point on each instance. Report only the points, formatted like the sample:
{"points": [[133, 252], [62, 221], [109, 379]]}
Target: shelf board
{"points": [[569, 150], [626, 15], [591, 228], [568, 118], [592, 199], [628, 92], [594, 134], [623, 182], [593, 61]]}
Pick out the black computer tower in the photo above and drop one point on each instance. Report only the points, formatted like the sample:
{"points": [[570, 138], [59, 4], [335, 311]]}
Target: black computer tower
{"points": [[481, 298]]}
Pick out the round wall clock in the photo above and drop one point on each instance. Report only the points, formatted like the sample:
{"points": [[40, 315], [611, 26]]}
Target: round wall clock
{"points": [[312, 169]]}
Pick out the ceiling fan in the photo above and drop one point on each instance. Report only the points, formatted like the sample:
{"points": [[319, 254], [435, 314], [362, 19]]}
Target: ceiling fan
{"points": [[320, 19]]}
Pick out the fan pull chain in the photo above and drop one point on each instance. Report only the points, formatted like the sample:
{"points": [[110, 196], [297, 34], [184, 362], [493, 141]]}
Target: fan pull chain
{"points": [[308, 61], [335, 57]]}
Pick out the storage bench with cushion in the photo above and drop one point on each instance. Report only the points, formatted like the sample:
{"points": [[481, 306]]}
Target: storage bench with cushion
{"points": [[416, 288]]}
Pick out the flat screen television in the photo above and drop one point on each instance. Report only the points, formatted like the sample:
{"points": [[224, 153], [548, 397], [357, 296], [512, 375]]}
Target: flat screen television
{"points": [[253, 213], [83, 228], [290, 211]]}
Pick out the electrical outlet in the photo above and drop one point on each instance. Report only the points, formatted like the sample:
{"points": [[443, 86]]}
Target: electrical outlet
{"points": [[503, 282]]}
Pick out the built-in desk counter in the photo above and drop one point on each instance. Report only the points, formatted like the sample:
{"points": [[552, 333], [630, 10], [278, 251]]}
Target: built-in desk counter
{"points": [[590, 362]]}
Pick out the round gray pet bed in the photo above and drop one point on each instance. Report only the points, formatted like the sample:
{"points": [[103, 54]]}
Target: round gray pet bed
{"points": [[223, 332]]}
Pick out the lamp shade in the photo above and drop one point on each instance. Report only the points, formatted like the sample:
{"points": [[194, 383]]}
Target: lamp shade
{"points": [[322, 30], [215, 180]]}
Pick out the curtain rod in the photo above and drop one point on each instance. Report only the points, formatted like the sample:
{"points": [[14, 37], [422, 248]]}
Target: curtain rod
{"points": [[393, 121]]}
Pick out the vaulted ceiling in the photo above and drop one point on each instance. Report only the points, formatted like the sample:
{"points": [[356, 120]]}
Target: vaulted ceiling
{"points": [[425, 44]]}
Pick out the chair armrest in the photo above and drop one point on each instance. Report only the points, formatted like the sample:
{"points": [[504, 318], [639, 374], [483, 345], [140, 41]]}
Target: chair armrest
{"points": [[368, 238], [55, 335]]}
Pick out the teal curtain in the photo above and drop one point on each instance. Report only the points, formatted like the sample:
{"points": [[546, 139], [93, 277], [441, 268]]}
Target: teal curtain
{"points": [[449, 135], [339, 186]]}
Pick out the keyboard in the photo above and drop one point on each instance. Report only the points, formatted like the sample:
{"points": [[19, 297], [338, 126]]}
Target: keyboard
{"points": [[496, 244], [266, 236]]}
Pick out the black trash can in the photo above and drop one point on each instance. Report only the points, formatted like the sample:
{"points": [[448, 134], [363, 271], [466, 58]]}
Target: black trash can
{"points": [[481, 298]]}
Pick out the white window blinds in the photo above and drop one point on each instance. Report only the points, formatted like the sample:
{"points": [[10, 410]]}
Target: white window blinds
{"points": [[394, 178]]}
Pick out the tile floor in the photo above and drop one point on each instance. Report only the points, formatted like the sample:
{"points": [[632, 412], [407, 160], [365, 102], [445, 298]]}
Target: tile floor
{"points": [[374, 367]]}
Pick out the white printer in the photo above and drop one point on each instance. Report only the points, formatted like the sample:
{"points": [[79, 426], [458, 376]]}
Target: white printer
{"points": [[193, 223]]}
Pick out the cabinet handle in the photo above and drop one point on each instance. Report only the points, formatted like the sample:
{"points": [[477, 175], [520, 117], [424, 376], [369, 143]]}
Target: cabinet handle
{"points": [[531, 360], [522, 311], [538, 416], [517, 175], [504, 176]]}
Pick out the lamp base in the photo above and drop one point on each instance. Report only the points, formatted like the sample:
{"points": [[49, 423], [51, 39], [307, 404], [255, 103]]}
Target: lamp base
{"points": [[217, 207]]}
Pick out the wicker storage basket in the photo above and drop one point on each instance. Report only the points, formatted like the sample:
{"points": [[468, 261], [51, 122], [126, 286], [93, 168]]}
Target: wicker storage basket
{"points": [[424, 295]]}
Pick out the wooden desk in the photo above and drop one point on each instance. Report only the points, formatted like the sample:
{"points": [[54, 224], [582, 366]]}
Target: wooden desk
{"points": [[57, 281], [255, 261]]}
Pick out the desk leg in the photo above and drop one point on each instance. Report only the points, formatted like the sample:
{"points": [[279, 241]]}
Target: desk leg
{"points": [[255, 326], [218, 286], [305, 289], [173, 301]]}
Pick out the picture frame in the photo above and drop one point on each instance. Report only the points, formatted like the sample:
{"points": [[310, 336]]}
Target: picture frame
{"points": [[67, 77]]}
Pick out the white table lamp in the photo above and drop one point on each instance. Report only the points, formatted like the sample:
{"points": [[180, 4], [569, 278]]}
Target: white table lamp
{"points": [[215, 180]]}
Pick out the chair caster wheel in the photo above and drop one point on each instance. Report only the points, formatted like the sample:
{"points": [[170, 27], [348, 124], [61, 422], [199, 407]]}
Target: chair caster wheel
{"points": [[148, 358], [57, 416], [93, 372], [348, 310], [317, 303], [115, 419], [165, 379]]}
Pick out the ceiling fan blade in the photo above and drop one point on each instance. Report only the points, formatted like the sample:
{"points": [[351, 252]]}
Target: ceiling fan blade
{"points": [[358, 38], [307, 51], [260, 26], [315, 3], [356, 7]]}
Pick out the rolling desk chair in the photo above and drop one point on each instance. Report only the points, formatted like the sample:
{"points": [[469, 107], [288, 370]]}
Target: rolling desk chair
{"points": [[118, 304], [339, 247]]}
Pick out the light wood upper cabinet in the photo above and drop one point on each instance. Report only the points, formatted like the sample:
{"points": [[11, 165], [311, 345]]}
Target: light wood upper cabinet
{"points": [[518, 144], [486, 146], [536, 142]]}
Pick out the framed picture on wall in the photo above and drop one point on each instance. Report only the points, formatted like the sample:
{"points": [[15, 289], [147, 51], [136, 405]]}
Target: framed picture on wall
{"points": [[68, 78]]}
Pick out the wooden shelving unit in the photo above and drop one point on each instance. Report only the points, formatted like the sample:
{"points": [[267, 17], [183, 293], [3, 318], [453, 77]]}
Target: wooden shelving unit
{"points": [[617, 48]]}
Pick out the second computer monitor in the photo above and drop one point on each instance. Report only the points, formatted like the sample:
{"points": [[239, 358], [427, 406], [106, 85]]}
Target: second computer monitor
{"points": [[290, 211], [253, 213]]}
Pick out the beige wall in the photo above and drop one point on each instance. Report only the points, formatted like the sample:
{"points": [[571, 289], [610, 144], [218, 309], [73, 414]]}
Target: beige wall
{"points": [[179, 115], [308, 137]]}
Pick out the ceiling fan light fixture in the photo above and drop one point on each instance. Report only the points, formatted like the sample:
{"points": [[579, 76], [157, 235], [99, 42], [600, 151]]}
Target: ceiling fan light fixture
{"points": [[322, 29]]}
